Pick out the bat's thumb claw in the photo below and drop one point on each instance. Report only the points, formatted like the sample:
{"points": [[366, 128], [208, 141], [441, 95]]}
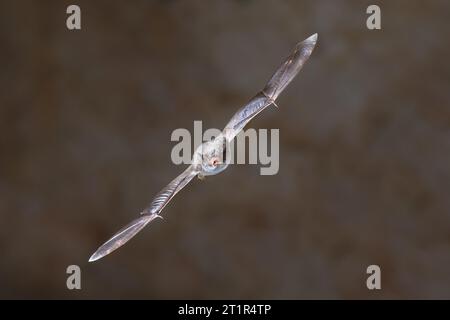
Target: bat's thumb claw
{"points": [[276, 106]]}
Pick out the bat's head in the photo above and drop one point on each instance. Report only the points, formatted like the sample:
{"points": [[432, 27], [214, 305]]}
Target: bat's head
{"points": [[211, 156]]}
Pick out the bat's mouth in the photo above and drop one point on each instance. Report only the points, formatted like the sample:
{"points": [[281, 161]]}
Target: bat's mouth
{"points": [[215, 162]]}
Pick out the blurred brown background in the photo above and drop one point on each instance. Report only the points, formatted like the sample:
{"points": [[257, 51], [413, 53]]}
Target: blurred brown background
{"points": [[86, 118]]}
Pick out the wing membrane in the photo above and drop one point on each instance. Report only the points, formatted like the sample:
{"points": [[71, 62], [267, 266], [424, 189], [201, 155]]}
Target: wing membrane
{"points": [[148, 215], [279, 81]]}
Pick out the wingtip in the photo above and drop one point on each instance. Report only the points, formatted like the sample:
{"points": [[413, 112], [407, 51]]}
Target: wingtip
{"points": [[95, 257], [309, 42], [313, 38]]}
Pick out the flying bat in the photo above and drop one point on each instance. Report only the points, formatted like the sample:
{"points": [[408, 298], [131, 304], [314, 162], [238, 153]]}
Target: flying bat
{"points": [[210, 157]]}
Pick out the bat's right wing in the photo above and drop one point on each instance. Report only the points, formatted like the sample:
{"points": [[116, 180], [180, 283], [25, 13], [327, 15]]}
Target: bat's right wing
{"points": [[148, 215]]}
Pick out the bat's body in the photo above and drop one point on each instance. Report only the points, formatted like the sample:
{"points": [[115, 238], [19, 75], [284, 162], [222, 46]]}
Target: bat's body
{"points": [[210, 157]]}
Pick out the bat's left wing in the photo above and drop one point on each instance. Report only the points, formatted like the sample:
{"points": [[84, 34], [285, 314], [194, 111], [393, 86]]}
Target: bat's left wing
{"points": [[279, 81]]}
